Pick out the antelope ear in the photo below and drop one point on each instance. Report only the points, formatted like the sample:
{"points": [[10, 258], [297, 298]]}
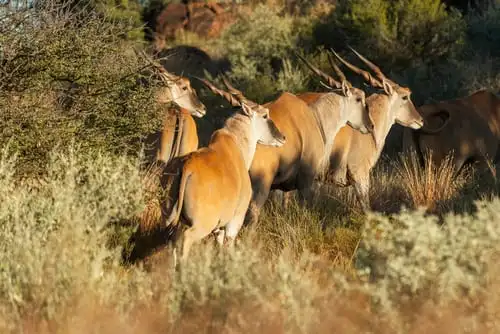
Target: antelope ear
{"points": [[247, 110], [387, 87], [345, 89]]}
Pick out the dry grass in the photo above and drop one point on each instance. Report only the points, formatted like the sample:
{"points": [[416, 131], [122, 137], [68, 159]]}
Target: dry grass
{"points": [[405, 182], [332, 228], [434, 185], [337, 312], [296, 271]]}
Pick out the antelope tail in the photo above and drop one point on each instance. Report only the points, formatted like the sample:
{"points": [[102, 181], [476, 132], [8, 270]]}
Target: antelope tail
{"points": [[173, 219]]}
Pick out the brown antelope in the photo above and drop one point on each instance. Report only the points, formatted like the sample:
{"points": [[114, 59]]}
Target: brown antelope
{"points": [[310, 131], [468, 128], [210, 188], [354, 154], [179, 134]]}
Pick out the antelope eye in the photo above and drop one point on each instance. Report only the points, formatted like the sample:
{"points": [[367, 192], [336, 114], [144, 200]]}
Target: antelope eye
{"points": [[184, 88], [358, 99], [405, 98]]}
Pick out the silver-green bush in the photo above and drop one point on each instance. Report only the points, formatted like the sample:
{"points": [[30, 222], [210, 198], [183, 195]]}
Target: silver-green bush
{"points": [[411, 255], [54, 229]]}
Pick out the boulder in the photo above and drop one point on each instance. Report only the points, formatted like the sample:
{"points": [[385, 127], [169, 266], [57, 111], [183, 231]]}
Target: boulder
{"points": [[207, 19], [173, 18]]}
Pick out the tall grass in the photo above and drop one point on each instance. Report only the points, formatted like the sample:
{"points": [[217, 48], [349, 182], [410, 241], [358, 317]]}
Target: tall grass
{"points": [[54, 229], [299, 270], [432, 186]]}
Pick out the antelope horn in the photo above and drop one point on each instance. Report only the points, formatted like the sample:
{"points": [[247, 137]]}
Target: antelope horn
{"points": [[142, 54], [237, 93], [337, 70], [372, 66], [164, 74], [231, 88], [366, 75], [229, 97], [167, 76], [331, 81]]}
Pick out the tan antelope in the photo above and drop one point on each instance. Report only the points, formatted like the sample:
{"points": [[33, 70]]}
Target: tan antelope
{"points": [[210, 188], [179, 134], [467, 127], [310, 131], [354, 154]]}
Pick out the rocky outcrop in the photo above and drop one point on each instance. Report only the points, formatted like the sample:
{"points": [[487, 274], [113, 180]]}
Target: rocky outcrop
{"points": [[206, 19]]}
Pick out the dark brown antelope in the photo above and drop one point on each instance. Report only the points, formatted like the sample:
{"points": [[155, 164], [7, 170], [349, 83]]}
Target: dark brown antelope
{"points": [[467, 127]]}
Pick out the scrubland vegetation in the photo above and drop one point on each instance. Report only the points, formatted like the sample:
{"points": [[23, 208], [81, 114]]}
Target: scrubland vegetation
{"points": [[74, 204]]}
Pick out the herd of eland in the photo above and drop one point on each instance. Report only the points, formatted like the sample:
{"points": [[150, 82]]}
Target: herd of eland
{"points": [[289, 143]]}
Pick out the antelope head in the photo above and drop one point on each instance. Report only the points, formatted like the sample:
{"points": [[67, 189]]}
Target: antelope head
{"points": [[265, 130], [355, 110], [176, 89], [402, 110], [179, 90]]}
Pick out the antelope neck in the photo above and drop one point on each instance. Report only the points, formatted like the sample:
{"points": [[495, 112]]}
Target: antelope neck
{"points": [[242, 131], [327, 112], [182, 111], [380, 109], [318, 123]]}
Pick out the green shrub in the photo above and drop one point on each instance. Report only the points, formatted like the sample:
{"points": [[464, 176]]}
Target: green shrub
{"points": [[484, 30], [291, 78], [403, 31], [241, 277], [67, 77], [477, 66], [256, 46], [125, 14], [255, 39]]}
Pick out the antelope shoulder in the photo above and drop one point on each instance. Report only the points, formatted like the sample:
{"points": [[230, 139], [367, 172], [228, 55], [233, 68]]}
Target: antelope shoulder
{"points": [[294, 119]]}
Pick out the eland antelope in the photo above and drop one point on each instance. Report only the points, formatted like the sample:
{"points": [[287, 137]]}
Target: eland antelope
{"points": [[178, 135], [467, 127], [354, 154], [310, 131], [210, 188]]}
